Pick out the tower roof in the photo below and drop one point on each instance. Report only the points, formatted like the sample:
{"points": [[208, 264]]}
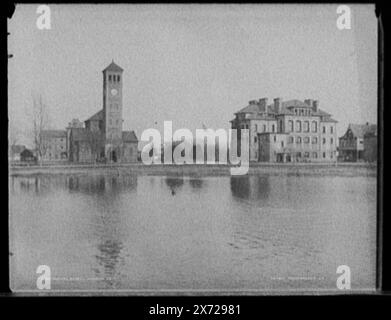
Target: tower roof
{"points": [[113, 67]]}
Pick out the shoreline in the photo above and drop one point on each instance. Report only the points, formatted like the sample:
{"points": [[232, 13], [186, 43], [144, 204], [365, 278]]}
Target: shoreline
{"points": [[312, 169]]}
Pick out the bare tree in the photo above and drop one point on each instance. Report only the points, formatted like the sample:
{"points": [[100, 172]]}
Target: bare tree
{"points": [[13, 134], [40, 122]]}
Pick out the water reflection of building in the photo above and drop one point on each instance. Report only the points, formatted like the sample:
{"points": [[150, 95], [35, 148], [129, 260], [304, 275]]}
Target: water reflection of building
{"points": [[250, 188], [174, 183], [196, 183], [102, 184], [108, 224]]}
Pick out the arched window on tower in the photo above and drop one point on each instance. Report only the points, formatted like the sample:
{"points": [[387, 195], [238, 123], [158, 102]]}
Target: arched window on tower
{"points": [[118, 78], [109, 77]]}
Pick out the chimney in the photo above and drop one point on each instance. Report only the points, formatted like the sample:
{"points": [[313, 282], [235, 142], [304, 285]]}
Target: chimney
{"points": [[262, 104], [315, 105], [309, 102], [277, 105]]}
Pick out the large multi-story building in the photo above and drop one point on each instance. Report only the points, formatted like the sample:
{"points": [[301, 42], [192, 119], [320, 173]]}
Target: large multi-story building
{"points": [[288, 131], [359, 143], [54, 145]]}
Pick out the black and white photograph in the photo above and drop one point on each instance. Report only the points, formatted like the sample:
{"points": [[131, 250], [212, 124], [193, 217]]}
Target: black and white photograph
{"points": [[187, 149]]}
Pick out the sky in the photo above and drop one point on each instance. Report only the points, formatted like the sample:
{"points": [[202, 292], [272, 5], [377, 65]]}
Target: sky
{"points": [[194, 65]]}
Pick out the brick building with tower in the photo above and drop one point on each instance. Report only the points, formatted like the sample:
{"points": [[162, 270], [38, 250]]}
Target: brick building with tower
{"points": [[101, 138], [287, 131]]}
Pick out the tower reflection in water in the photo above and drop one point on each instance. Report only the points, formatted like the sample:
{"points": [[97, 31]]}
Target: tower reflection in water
{"points": [[109, 229], [250, 188]]}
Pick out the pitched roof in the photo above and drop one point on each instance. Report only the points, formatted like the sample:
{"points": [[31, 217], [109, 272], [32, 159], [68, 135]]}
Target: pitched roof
{"points": [[359, 130], [97, 116], [54, 133], [254, 107], [113, 67], [129, 136], [17, 148], [328, 119], [295, 103], [82, 134], [251, 108], [27, 153]]}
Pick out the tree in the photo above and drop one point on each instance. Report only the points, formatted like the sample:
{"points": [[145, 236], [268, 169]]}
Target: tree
{"points": [[13, 134], [40, 122]]}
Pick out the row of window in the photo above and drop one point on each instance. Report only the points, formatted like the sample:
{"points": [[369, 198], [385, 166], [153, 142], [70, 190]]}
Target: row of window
{"points": [[307, 140], [306, 127], [303, 112], [114, 106], [313, 155], [114, 78], [111, 122], [256, 127]]}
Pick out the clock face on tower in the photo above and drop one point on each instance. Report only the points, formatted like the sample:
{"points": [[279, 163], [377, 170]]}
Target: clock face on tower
{"points": [[114, 92]]}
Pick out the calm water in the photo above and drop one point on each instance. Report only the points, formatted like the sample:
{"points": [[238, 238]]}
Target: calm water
{"points": [[218, 233]]}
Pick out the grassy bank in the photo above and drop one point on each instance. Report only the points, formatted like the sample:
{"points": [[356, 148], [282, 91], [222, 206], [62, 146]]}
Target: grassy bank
{"points": [[340, 169]]}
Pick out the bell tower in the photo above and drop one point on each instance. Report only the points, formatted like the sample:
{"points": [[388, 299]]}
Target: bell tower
{"points": [[112, 110]]}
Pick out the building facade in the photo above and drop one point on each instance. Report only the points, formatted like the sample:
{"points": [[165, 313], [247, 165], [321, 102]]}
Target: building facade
{"points": [[14, 152], [352, 146], [288, 131], [102, 137], [54, 145]]}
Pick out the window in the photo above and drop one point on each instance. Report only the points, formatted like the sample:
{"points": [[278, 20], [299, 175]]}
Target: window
{"points": [[298, 154], [324, 154], [307, 140], [298, 140], [331, 155], [273, 128], [255, 139], [306, 126], [306, 155], [118, 78], [290, 140], [264, 128], [256, 128], [331, 129], [314, 155], [290, 125], [324, 141], [314, 140], [298, 126], [331, 141], [109, 77], [282, 144], [324, 129], [314, 126], [275, 138], [246, 126]]}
